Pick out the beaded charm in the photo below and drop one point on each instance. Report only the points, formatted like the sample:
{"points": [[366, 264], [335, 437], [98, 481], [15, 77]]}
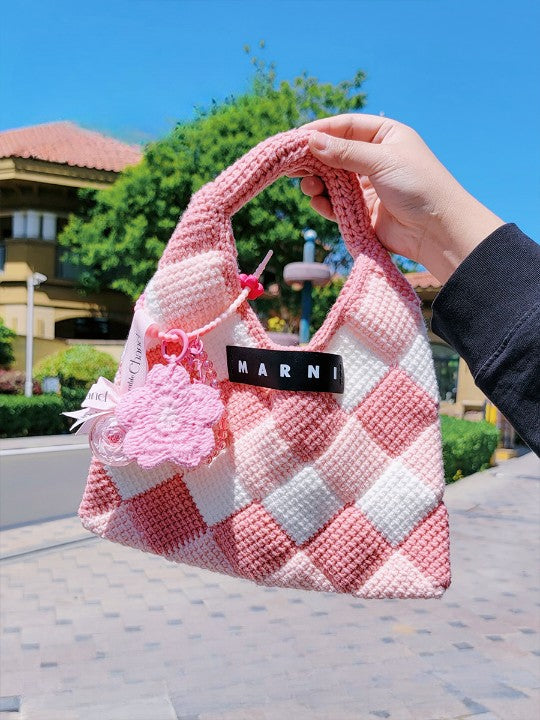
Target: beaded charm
{"points": [[170, 418], [174, 412]]}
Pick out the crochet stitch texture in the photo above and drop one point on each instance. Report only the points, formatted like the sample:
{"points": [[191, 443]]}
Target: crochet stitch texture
{"points": [[339, 493]]}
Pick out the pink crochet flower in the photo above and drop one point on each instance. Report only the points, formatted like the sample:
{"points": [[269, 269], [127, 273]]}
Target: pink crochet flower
{"points": [[169, 418]]}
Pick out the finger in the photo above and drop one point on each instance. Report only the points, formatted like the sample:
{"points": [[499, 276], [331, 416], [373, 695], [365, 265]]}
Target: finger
{"points": [[323, 206], [352, 126], [365, 183], [298, 173], [312, 185], [356, 156]]}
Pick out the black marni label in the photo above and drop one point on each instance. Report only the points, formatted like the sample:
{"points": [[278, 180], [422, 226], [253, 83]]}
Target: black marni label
{"points": [[286, 369]]}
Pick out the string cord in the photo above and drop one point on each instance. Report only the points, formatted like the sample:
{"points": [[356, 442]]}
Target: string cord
{"points": [[226, 313]]}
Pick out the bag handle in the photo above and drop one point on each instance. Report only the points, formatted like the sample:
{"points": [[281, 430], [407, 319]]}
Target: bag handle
{"points": [[213, 205]]}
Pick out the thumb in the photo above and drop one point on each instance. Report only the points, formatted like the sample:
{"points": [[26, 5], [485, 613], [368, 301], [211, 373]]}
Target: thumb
{"points": [[356, 156]]}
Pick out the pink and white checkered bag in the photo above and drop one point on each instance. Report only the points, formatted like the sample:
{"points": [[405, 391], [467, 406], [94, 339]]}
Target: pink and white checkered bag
{"points": [[336, 492]]}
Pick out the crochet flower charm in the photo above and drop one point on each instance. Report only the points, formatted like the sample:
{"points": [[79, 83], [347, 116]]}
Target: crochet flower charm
{"points": [[169, 419]]}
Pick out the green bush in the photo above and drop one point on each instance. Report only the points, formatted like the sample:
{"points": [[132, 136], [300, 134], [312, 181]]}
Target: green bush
{"points": [[77, 367], [38, 415], [467, 446], [72, 397]]}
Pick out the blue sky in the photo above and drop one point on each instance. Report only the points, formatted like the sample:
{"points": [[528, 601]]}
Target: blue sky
{"points": [[464, 74]]}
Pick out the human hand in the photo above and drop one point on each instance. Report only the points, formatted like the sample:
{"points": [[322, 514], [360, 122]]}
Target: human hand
{"points": [[417, 208]]}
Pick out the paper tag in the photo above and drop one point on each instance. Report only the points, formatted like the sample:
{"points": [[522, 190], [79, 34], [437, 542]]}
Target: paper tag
{"points": [[286, 369], [133, 365]]}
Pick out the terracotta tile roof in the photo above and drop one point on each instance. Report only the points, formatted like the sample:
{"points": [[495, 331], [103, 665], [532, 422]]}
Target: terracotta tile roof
{"points": [[423, 280], [66, 143]]}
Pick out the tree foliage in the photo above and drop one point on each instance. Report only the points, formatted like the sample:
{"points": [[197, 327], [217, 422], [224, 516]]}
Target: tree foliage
{"points": [[77, 366], [121, 231], [323, 299], [6, 346]]}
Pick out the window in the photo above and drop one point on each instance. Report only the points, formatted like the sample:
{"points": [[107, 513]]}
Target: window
{"points": [[6, 227], [64, 269], [446, 363], [34, 225], [6, 231], [91, 328]]}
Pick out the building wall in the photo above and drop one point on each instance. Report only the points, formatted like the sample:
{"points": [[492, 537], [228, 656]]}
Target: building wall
{"points": [[34, 211], [55, 301], [44, 347], [469, 397]]}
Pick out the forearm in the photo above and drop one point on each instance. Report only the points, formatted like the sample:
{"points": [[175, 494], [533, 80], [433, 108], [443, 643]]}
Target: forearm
{"points": [[489, 311], [454, 232]]}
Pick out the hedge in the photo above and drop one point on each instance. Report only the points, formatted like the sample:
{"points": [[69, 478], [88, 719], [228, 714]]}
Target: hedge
{"points": [[37, 415], [78, 366], [72, 397], [467, 446]]}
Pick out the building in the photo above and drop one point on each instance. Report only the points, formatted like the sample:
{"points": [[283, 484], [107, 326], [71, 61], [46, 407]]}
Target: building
{"points": [[41, 170], [459, 394]]}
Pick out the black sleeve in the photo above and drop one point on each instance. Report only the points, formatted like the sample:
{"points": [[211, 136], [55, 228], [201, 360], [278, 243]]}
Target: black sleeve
{"points": [[489, 311]]}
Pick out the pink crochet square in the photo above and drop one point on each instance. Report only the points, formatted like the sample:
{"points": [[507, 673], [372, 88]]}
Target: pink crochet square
{"points": [[246, 407], [121, 527], [349, 550], [100, 494], [382, 412], [202, 552], [253, 542], [383, 321], [422, 546], [166, 515], [424, 457], [301, 573], [308, 421], [352, 463], [261, 478]]}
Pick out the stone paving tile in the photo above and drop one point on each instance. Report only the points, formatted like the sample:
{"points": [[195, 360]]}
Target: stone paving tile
{"points": [[92, 629], [52, 532]]}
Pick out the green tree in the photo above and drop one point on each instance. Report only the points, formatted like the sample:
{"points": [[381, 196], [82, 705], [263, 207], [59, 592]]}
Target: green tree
{"points": [[121, 232], [323, 299], [6, 346]]}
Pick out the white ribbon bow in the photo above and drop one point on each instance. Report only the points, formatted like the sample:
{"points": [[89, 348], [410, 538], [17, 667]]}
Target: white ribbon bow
{"points": [[101, 399]]}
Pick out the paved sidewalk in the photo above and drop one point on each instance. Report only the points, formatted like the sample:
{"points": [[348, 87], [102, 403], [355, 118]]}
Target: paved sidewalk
{"points": [[42, 441], [95, 630]]}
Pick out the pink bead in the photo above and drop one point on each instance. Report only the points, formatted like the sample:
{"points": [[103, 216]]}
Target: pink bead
{"points": [[251, 282]]}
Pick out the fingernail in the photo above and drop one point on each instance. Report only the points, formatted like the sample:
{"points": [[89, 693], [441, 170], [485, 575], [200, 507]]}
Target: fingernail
{"points": [[319, 141]]}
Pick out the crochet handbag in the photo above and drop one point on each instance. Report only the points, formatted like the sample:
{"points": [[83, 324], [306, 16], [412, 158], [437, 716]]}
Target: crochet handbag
{"points": [[317, 467]]}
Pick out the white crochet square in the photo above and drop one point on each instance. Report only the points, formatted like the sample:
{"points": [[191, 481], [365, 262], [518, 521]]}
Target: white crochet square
{"points": [[303, 505], [362, 368], [232, 331], [132, 480], [216, 489], [397, 502], [418, 364]]}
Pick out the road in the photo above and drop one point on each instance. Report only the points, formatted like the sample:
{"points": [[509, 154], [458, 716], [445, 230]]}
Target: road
{"points": [[41, 483]]}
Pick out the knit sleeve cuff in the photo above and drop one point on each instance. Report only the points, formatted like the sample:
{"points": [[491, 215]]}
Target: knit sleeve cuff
{"points": [[488, 295]]}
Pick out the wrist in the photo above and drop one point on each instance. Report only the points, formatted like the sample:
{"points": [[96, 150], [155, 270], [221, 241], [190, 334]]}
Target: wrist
{"points": [[456, 233]]}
